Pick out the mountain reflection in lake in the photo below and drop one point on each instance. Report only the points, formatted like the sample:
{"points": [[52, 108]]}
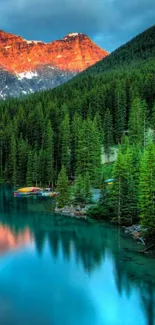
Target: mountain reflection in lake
{"points": [[56, 270]]}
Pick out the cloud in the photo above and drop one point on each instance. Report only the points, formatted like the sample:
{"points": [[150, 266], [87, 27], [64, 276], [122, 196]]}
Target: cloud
{"points": [[108, 22]]}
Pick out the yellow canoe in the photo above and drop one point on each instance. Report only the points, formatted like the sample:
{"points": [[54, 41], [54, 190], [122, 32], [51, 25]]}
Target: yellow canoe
{"points": [[28, 189]]}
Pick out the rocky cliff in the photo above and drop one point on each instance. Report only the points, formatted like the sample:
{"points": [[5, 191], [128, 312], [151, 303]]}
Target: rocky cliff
{"points": [[28, 66]]}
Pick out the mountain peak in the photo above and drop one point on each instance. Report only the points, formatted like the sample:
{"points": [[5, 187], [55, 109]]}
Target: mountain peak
{"points": [[56, 61], [74, 53], [74, 35]]}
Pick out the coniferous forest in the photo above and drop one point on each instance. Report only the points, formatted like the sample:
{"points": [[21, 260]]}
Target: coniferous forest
{"points": [[65, 129]]}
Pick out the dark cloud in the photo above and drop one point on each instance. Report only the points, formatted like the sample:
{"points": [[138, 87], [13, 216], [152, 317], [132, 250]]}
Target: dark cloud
{"points": [[110, 23]]}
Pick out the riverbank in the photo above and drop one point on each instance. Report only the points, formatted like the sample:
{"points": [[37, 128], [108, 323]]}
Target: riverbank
{"points": [[73, 211], [135, 231]]}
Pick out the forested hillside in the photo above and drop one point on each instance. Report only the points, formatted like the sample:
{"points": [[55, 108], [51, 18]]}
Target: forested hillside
{"points": [[70, 124]]}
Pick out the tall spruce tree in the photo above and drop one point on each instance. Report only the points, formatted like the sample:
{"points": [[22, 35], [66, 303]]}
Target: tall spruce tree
{"points": [[120, 111], [138, 122], [87, 189], [13, 160], [108, 133], [75, 131], [65, 142], [78, 192], [49, 152], [29, 174], [22, 155], [35, 173], [89, 151], [147, 189], [63, 190]]}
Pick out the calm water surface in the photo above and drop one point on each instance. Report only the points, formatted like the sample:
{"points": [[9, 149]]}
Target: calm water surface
{"points": [[57, 270]]}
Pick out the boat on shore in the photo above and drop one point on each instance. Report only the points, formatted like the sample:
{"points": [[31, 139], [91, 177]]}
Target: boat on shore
{"points": [[34, 191]]}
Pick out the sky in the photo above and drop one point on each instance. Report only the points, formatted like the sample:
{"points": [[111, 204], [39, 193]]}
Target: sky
{"points": [[109, 23]]}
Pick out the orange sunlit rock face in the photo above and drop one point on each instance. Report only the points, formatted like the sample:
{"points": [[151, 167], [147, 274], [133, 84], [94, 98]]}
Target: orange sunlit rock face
{"points": [[75, 52], [10, 241]]}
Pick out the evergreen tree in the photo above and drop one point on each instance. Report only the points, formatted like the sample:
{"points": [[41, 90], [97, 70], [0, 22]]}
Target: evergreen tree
{"points": [[126, 183], [97, 151], [89, 151], [120, 111], [13, 160], [78, 193], [87, 189], [108, 133], [75, 133], [119, 186], [35, 173], [49, 150], [82, 189], [42, 166], [65, 143], [63, 188], [29, 174], [22, 155], [147, 189], [138, 122]]}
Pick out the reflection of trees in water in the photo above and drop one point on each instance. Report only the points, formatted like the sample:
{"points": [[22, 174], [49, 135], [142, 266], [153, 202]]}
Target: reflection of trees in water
{"points": [[148, 301], [89, 243], [53, 239], [39, 238]]}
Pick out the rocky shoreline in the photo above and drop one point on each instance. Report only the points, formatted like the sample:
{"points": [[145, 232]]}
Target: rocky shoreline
{"points": [[136, 232], [81, 212], [73, 211]]}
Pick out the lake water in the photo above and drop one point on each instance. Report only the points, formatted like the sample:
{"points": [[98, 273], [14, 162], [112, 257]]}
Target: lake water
{"points": [[56, 270]]}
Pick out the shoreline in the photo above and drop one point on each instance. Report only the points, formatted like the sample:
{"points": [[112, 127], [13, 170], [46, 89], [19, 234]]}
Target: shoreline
{"points": [[134, 231]]}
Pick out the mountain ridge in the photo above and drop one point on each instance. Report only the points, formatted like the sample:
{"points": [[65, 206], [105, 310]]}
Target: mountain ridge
{"points": [[75, 52], [35, 65]]}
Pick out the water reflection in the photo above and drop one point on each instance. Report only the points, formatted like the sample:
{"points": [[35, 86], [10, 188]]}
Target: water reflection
{"points": [[89, 271], [9, 240]]}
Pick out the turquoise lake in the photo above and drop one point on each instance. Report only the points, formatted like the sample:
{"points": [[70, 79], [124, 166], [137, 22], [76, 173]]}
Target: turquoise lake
{"points": [[57, 270]]}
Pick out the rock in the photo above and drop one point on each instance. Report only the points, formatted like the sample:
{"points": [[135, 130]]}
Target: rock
{"points": [[135, 231], [71, 211], [136, 234]]}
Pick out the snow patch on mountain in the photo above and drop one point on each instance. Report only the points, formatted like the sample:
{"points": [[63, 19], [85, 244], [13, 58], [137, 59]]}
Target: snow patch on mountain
{"points": [[73, 34], [27, 75]]}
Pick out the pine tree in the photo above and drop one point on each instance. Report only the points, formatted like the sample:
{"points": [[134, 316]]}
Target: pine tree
{"points": [[120, 111], [13, 160], [22, 154], [126, 182], [78, 193], [65, 143], [147, 189], [75, 131], [49, 151], [89, 151], [138, 122], [35, 174], [97, 151], [119, 186], [63, 188], [108, 133], [87, 189], [42, 166], [29, 174]]}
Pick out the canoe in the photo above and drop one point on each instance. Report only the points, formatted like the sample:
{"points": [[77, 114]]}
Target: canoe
{"points": [[28, 189]]}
